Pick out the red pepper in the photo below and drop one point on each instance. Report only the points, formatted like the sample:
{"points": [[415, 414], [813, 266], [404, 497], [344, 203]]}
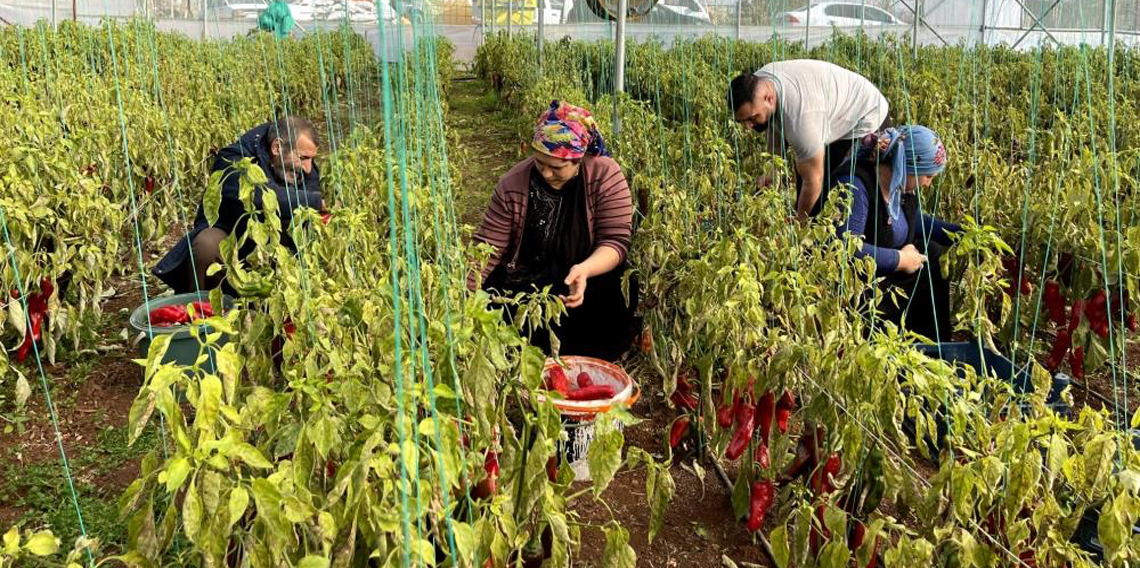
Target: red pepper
{"points": [[823, 480], [677, 433], [767, 409], [1028, 558], [584, 380], [557, 381], [330, 468], [1060, 349], [1133, 326], [203, 309], [646, 340], [1055, 302], [1075, 315], [820, 532], [1026, 288], [1010, 264], [727, 413], [684, 400], [762, 494], [805, 460], [290, 329], [683, 383], [487, 486], [855, 540], [858, 533], [1097, 307], [784, 408], [325, 218], [760, 455], [1077, 362], [32, 336], [148, 184], [552, 468], [596, 392], [168, 316], [744, 426], [1101, 329]]}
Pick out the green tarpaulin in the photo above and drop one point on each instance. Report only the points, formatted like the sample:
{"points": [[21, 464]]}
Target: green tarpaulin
{"points": [[276, 18]]}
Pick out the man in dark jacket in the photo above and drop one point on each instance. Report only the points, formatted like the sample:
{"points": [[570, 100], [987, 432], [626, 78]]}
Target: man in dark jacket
{"points": [[284, 149]]}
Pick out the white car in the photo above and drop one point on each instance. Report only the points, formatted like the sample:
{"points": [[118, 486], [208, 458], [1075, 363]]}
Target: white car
{"points": [[238, 10], [839, 14]]}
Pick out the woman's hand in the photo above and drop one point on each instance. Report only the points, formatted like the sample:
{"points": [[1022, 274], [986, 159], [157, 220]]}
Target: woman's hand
{"points": [[576, 280], [910, 260]]}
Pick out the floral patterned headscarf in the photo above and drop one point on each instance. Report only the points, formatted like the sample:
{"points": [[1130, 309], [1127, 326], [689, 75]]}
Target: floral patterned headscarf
{"points": [[910, 150], [568, 132]]}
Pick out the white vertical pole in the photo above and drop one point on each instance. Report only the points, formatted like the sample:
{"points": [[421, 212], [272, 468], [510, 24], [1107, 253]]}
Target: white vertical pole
{"points": [[204, 12], [619, 63], [914, 31], [807, 26], [53, 14], [983, 28], [739, 5], [510, 16], [541, 30]]}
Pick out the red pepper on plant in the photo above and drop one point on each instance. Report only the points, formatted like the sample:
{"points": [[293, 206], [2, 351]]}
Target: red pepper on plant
{"points": [[1076, 314], [744, 427], [678, 431], [784, 409], [726, 414], [1060, 349], [823, 479], [683, 396], [1055, 302], [763, 492], [552, 468], [767, 410], [760, 455], [487, 486], [684, 400], [1077, 362], [819, 532]]}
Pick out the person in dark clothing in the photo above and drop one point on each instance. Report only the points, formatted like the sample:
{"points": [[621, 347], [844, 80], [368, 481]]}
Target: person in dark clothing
{"points": [[285, 149], [563, 218], [905, 243]]}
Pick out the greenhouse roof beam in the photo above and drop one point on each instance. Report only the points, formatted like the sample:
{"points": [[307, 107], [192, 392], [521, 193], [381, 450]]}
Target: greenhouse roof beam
{"points": [[925, 23], [1037, 22]]}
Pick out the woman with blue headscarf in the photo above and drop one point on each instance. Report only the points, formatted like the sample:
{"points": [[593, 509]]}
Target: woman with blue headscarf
{"points": [[884, 172]]}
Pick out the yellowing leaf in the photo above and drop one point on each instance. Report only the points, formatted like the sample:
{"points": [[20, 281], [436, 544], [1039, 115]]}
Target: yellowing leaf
{"points": [[239, 500], [313, 562], [250, 456], [176, 473], [42, 543], [11, 541]]}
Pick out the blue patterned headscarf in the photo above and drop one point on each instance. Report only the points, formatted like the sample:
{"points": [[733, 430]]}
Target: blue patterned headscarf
{"points": [[909, 150]]}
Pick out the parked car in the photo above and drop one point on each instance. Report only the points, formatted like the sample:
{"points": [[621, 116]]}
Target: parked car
{"points": [[839, 14], [689, 12], [239, 10]]}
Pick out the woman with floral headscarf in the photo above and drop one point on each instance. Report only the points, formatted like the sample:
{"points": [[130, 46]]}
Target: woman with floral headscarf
{"points": [[563, 218], [884, 176]]}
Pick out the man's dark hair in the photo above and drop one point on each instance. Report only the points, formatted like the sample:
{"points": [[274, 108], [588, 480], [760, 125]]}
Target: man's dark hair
{"points": [[288, 129], [741, 90]]}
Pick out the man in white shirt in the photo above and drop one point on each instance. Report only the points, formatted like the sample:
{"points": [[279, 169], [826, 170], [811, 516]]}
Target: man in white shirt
{"points": [[818, 109]]}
